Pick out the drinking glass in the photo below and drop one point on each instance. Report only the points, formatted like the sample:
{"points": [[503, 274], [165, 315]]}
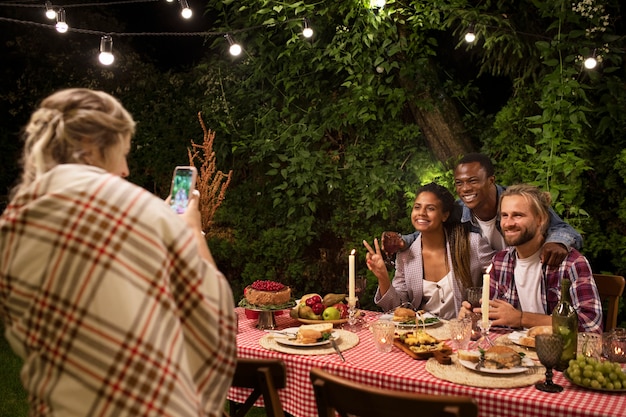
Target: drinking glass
{"points": [[360, 285], [473, 296], [549, 348], [590, 345], [460, 332], [391, 243], [383, 332], [615, 345]]}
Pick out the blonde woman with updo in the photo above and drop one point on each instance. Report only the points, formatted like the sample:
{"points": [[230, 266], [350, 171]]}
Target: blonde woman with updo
{"points": [[113, 301]]}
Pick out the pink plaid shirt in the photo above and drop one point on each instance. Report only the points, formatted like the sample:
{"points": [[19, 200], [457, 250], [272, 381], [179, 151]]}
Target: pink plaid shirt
{"points": [[104, 296]]}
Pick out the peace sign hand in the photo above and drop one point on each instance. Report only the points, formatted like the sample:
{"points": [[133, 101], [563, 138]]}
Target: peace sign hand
{"points": [[375, 261]]}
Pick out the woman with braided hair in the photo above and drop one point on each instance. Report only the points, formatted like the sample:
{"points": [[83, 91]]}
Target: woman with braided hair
{"points": [[113, 301]]}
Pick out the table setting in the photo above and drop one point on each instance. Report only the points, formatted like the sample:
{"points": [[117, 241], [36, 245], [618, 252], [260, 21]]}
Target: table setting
{"points": [[430, 355]]}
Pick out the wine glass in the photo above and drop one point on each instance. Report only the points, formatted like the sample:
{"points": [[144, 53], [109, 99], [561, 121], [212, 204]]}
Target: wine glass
{"points": [[360, 285], [391, 243], [549, 348], [473, 296]]}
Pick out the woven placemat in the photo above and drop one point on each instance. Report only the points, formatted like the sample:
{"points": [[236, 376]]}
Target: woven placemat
{"points": [[346, 340], [459, 374]]}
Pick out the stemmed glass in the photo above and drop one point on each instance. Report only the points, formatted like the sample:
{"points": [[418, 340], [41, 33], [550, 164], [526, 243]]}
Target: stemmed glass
{"points": [[391, 243], [549, 348], [473, 296]]}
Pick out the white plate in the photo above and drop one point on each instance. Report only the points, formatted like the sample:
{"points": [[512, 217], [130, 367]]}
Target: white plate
{"points": [[389, 316], [516, 338], [516, 370], [285, 340]]}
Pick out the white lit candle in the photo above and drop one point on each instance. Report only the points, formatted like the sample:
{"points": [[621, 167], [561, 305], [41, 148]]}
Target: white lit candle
{"points": [[351, 296], [485, 302]]}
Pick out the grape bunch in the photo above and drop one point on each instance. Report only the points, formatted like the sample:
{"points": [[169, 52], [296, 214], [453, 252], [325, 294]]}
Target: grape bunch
{"points": [[592, 373]]}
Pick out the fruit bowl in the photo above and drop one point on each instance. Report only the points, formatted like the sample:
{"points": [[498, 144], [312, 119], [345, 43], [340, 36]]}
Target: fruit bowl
{"points": [[308, 321]]}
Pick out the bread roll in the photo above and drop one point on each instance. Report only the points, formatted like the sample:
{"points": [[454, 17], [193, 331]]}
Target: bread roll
{"points": [[469, 355], [403, 314], [534, 331], [312, 333]]}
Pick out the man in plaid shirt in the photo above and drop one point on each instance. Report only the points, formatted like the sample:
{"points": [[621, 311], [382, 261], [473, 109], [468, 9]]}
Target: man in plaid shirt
{"points": [[523, 290]]}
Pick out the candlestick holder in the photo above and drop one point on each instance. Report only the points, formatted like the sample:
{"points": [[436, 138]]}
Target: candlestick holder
{"points": [[353, 318], [484, 341]]}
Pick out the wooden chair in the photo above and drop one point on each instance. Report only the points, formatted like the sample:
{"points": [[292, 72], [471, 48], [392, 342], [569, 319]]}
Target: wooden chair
{"points": [[265, 377], [610, 287], [336, 394]]}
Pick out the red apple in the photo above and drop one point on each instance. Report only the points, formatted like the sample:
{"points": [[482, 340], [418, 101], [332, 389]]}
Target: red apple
{"points": [[343, 309]]}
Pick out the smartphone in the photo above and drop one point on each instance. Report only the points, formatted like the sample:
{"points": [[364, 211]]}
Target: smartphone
{"points": [[183, 184]]}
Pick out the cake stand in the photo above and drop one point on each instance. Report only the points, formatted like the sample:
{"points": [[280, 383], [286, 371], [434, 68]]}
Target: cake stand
{"points": [[266, 318]]}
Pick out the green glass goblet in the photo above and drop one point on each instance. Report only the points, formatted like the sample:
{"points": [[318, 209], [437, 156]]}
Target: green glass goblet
{"points": [[549, 348]]}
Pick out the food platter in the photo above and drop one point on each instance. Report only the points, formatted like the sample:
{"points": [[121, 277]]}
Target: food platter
{"points": [[515, 370], [591, 388], [287, 338], [308, 321]]}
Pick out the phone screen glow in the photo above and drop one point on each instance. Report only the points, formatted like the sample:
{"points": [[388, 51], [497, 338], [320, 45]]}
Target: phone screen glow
{"points": [[181, 189]]}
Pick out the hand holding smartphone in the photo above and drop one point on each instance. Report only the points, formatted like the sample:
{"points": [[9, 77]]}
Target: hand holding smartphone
{"points": [[183, 184]]}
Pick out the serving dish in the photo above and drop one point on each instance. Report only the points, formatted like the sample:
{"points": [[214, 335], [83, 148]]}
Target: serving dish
{"points": [[308, 321], [526, 362]]}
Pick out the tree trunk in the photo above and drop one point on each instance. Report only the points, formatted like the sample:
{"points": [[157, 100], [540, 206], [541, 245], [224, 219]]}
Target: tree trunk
{"points": [[438, 119], [442, 128]]}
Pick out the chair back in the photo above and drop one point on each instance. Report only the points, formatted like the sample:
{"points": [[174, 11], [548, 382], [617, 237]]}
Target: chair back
{"points": [[336, 394], [610, 287], [265, 377]]}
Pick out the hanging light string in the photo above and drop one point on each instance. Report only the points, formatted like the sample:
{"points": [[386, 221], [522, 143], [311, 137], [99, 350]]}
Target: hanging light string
{"points": [[100, 32], [68, 6]]}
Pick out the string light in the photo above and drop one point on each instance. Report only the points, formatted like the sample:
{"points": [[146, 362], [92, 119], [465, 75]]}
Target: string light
{"points": [[470, 36], [235, 48], [307, 32], [106, 50], [50, 13], [591, 62], [185, 10], [61, 25]]}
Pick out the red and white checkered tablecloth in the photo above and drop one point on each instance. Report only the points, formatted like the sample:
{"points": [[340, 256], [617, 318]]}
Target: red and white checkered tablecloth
{"points": [[397, 371]]}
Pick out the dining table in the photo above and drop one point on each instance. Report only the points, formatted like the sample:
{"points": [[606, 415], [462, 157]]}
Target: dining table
{"points": [[396, 370]]}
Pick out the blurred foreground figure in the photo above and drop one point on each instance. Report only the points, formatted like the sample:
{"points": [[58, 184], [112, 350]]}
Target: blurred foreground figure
{"points": [[112, 300]]}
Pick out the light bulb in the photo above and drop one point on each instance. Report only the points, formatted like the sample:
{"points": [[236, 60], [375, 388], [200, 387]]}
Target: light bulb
{"points": [[106, 50], [61, 25], [307, 32], [470, 36], [50, 13], [235, 49], [185, 10], [591, 62], [379, 4]]}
